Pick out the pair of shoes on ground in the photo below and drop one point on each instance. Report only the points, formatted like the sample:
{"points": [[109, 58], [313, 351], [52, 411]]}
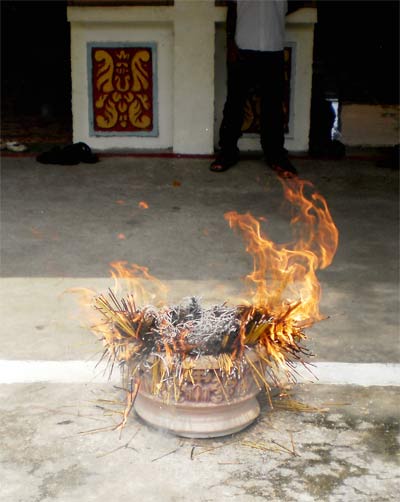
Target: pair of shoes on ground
{"points": [[281, 165], [69, 155]]}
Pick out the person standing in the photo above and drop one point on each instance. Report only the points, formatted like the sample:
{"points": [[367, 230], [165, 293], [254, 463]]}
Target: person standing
{"points": [[255, 42]]}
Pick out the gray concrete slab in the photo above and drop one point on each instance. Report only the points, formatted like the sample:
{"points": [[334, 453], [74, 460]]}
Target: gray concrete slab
{"points": [[60, 228], [62, 225], [346, 451]]}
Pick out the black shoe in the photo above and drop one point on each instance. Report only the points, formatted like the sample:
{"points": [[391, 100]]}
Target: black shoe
{"points": [[69, 155], [283, 167]]}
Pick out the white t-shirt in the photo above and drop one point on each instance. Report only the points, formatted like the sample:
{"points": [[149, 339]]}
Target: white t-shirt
{"points": [[260, 24]]}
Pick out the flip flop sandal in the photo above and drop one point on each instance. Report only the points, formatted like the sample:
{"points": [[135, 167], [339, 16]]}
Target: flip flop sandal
{"points": [[14, 146], [284, 169], [221, 165]]}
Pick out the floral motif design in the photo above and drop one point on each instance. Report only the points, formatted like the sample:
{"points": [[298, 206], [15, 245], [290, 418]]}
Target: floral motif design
{"points": [[122, 89]]}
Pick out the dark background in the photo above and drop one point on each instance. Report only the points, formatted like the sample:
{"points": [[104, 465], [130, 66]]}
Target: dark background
{"points": [[357, 50]]}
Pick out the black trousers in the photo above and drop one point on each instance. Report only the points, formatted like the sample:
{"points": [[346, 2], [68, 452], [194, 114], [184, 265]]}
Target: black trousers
{"points": [[265, 70]]}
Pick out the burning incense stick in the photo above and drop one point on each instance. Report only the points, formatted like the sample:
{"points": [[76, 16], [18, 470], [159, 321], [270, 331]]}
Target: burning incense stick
{"points": [[264, 337]]}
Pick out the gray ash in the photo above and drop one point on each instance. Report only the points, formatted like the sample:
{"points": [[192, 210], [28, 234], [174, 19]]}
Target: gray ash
{"points": [[206, 330]]}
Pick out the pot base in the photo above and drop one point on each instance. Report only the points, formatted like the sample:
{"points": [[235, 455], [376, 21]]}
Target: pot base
{"points": [[197, 420]]}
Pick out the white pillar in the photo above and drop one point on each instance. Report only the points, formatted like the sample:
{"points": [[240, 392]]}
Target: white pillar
{"points": [[300, 31], [193, 79]]}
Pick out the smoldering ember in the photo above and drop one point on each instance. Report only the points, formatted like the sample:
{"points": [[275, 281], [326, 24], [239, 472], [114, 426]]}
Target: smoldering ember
{"points": [[196, 370]]}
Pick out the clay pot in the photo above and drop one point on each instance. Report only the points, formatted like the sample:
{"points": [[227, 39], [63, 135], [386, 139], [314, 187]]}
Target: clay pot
{"points": [[209, 404]]}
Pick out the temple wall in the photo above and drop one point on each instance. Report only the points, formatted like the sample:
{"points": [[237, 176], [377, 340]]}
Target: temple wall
{"points": [[180, 76]]}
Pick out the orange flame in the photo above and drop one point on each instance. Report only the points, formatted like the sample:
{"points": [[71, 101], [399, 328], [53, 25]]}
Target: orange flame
{"points": [[285, 274], [143, 204], [137, 282]]}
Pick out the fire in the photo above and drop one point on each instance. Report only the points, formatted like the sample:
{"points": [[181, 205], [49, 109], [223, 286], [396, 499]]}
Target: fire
{"points": [[147, 336], [284, 275], [136, 282], [143, 204]]}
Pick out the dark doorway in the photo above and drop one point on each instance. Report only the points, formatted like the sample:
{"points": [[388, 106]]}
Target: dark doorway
{"points": [[356, 60], [357, 48], [36, 73]]}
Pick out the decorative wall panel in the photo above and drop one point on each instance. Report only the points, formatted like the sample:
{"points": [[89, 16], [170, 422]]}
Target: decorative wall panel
{"points": [[123, 89]]}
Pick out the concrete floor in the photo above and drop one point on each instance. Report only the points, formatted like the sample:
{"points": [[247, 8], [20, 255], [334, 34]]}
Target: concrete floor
{"points": [[349, 453], [62, 226]]}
